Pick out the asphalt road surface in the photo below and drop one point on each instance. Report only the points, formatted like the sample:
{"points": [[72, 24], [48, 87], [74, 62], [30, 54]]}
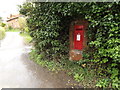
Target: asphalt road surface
{"points": [[17, 71]]}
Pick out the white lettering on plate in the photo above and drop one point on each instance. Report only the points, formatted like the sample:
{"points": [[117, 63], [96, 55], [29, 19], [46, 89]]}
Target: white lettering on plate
{"points": [[78, 37]]}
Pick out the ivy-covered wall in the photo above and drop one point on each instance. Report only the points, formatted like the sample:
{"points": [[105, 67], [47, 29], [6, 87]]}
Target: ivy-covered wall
{"points": [[49, 27]]}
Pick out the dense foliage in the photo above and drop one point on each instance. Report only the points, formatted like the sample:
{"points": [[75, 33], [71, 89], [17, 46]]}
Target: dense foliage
{"points": [[49, 27]]}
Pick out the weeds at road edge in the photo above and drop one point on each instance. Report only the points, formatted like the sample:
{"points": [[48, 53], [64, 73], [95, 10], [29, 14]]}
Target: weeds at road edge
{"points": [[81, 74]]}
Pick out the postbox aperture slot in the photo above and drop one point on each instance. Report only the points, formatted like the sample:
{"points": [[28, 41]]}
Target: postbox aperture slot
{"points": [[79, 29]]}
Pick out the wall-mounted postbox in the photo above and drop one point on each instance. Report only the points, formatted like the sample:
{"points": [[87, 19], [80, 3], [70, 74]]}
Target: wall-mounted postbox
{"points": [[78, 37]]}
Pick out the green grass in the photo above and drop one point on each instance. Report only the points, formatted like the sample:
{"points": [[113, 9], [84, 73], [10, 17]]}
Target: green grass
{"points": [[2, 33], [27, 38], [12, 30]]}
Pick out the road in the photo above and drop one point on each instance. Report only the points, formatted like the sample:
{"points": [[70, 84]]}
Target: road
{"points": [[17, 71]]}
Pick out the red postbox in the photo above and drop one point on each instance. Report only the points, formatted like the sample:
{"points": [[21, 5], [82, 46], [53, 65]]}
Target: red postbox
{"points": [[78, 37]]}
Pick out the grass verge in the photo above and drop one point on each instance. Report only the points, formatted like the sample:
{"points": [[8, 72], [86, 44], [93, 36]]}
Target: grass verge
{"points": [[27, 38], [2, 33], [13, 30]]}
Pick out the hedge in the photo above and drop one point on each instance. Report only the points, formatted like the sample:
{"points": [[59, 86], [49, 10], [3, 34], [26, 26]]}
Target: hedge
{"points": [[49, 26]]}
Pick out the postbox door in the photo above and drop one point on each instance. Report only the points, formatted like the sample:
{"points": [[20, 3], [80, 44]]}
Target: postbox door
{"points": [[78, 37]]}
